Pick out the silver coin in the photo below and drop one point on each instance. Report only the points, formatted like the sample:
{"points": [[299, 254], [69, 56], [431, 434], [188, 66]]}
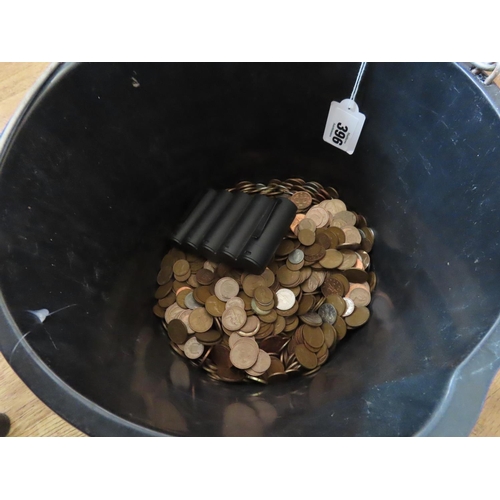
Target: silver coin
{"points": [[191, 302], [349, 307], [328, 313], [286, 299], [296, 257]]}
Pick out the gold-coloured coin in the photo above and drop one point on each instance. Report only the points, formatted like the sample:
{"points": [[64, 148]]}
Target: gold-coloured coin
{"points": [[181, 296], [208, 337], [181, 267]]}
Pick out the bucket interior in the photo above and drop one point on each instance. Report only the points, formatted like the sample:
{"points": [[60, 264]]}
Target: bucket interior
{"points": [[101, 169]]}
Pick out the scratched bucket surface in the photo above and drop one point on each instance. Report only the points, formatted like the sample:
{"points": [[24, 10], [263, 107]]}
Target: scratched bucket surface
{"points": [[98, 167]]}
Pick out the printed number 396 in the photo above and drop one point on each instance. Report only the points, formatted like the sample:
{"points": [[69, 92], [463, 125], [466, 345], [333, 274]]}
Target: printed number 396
{"points": [[339, 134]]}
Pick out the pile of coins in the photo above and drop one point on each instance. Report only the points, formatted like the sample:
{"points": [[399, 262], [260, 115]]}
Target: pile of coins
{"points": [[266, 328]]}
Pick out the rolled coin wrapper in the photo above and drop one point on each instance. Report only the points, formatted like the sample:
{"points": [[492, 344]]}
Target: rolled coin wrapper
{"points": [[266, 240], [206, 221], [214, 239], [236, 228]]}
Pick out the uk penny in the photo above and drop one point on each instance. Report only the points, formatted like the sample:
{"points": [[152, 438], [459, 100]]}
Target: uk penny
{"points": [[263, 295], [220, 356], [312, 319], [167, 301], [193, 349], [359, 295], [202, 294], [338, 302], [164, 275], [206, 277], [295, 223], [313, 336], [235, 302], [177, 331], [200, 320], [261, 365], [234, 318], [359, 317], [214, 306], [349, 218], [306, 237], [159, 311], [244, 353], [251, 282], [349, 259], [356, 275], [329, 334], [251, 327], [269, 277], [226, 288], [340, 327], [285, 247], [208, 337], [302, 199], [306, 304], [352, 235], [332, 259], [308, 224], [181, 267], [164, 290], [233, 338], [305, 357], [319, 216]]}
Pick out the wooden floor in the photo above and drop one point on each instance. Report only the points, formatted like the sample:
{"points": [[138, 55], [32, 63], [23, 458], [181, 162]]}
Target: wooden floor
{"points": [[31, 417]]}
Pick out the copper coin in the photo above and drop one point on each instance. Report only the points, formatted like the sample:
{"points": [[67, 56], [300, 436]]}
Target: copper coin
{"points": [[287, 277], [356, 275], [333, 206], [164, 275], [352, 235], [348, 217], [181, 297], [202, 294], [296, 222], [312, 319], [230, 374], [359, 295], [324, 239], [318, 215], [177, 331], [261, 365], [314, 253], [338, 302], [313, 336], [205, 277], [200, 321], [285, 247], [372, 280], [332, 259], [269, 277], [233, 338], [208, 337], [251, 282], [349, 259], [305, 357], [263, 295], [270, 317], [220, 356], [214, 306], [306, 236], [235, 302], [234, 318], [244, 353], [251, 327], [340, 327], [338, 234], [279, 325], [193, 349], [246, 299], [159, 311], [167, 301], [308, 224], [359, 317], [181, 267], [365, 258], [302, 199], [276, 366], [306, 304], [329, 334], [226, 288], [273, 344], [164, 290]]}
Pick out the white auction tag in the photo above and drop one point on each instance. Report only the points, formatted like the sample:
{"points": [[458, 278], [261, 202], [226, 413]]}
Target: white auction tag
{"points": [[344, 125]]}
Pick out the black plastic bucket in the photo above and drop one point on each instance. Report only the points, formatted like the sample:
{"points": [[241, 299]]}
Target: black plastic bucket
{"points": [[102, 160]]}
